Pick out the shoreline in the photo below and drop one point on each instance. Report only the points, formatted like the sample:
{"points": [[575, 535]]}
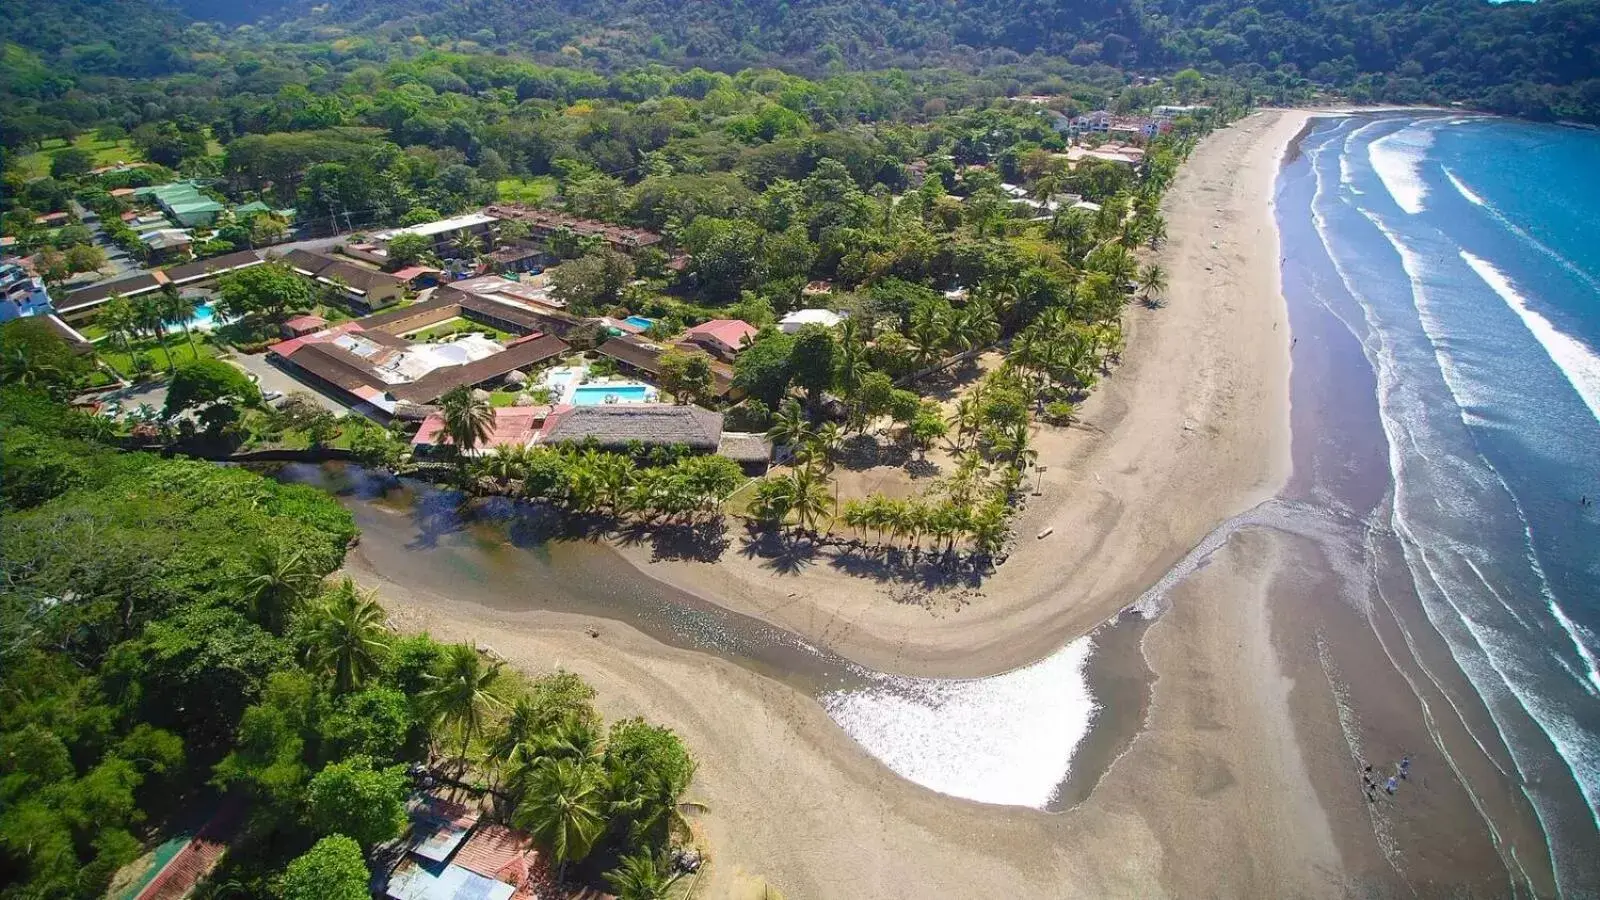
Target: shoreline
{"points": [[1189, 431], [1190, 805]]}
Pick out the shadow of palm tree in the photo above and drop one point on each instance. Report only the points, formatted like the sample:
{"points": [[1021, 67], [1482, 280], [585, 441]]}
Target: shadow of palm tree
{"points": [[786, 554]]}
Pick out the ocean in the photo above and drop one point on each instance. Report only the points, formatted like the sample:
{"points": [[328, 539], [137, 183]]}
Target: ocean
{"points": [[1459, 255]]}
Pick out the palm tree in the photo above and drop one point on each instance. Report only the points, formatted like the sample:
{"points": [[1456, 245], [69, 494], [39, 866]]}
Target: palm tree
{"points": [[928, 332], [118, 320], [790, 428], [809, 498], [1152, 282], [460, 693], [177, 309], [147, 313], [643, 877], [1156, 233], [562, 808], [280, 580], [347, 638], [468, 421]]}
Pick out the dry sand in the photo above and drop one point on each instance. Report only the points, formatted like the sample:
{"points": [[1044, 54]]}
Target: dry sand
{"points": [[1225, 793], [1190, 430]]}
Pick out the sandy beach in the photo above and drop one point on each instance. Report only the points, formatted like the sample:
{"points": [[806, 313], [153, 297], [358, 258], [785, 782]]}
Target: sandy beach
{"points": [[1190, 430], [1239, 782]]}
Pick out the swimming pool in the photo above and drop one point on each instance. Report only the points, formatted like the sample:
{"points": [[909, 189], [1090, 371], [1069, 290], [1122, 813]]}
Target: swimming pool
{"points": [[597, 394], [204, 319], [639, 321]]}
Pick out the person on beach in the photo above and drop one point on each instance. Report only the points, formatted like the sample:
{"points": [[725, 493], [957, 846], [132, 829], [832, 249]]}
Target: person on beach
{"points": [[1405, 765], [1390, 786]]}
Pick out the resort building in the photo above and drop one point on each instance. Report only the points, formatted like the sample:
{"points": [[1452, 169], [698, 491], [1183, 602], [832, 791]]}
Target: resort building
{"points": [[640, 356], [444, 232], [800, 318], [1168, 113], [722, 338], [183, 203], [368, 287], [379, 366], [514, 426], [167, 243], [81, 305], [543, 224], [618, 426]]}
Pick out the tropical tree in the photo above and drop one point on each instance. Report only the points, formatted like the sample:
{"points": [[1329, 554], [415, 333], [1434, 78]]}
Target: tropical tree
{"points": [[468, 421], [176, 309], [117, 318], [148, 314], [643, 876], [461, 692], [281, 578], [1152, 283], [345, 637], [562, 808], [809, 497], [790, 427]]}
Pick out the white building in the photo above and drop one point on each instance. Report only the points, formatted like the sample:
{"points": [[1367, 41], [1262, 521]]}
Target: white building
{"points": [[1168, 113], [21, 294], [800, 318]]}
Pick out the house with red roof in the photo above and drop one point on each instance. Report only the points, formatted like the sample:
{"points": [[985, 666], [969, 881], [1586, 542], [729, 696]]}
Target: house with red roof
{"points": [[722, 338]]}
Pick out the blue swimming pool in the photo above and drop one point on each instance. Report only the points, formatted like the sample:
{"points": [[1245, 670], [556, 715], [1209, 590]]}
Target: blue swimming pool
{"points": [[597, 394], [639, 321], [202, 319]]}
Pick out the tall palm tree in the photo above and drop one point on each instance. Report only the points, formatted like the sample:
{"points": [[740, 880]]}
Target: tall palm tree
{"points": [[176, 309], [809, 498], [279, 582], [468, 421], [147, 313], [562, 808], [347, 638], [790, 427], [118, 320], [643, 877], [461, 692]]}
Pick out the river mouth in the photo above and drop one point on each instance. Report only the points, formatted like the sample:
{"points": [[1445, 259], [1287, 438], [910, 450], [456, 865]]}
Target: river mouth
{"points": [[1040, 736]]}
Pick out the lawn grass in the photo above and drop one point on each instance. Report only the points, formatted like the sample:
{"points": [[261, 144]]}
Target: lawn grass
{"points": [[459, 326], [501, 399], [525, 189], [110, 352], [37, 164]]}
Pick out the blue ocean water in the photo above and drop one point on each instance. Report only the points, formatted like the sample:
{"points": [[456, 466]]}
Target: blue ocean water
{"points": [[1463, 255]]}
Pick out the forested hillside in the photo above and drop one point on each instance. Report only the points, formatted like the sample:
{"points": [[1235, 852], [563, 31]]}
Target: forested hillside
{"points": [[1540, 58]]}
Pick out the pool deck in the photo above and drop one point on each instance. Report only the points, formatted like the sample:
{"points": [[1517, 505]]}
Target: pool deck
{"points": [[567, 381]]}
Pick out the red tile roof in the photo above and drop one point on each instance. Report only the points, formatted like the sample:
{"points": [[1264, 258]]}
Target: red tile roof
{"points": [[513, 425], [730, 333]]}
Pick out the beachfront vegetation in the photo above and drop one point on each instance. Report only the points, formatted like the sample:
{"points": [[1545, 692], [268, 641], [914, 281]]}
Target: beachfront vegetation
{"points": [[172, 646]]}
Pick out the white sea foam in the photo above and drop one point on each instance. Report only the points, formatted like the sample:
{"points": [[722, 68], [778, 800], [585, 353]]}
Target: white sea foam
{"points": [[1579, 363], [1462, 189], [1008, 739], [1398, 161]]}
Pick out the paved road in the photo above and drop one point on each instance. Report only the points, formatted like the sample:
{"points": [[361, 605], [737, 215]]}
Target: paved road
{"points": [[272, 378]]}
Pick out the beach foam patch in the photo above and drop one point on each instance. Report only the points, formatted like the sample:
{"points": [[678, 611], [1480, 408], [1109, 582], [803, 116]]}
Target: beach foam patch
{"points": [[1463, 190], [1008, 739], [1573, 357], [1398, 161]]}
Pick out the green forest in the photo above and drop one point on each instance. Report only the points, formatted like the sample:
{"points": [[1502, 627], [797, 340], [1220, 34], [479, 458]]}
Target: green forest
{"points": [[174, 649], [1536, 59]]}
